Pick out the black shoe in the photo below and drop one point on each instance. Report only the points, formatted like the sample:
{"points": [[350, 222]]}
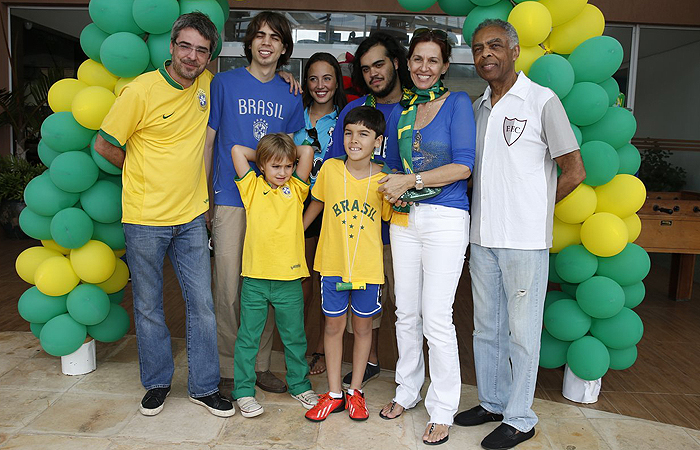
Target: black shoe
{"points": [[505, 436], [267, 381], [152, 402], [371, 372], [216, 404], [476, 416]]}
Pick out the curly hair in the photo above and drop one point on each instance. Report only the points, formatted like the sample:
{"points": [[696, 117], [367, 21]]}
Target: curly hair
{"points": [[394, 50]]}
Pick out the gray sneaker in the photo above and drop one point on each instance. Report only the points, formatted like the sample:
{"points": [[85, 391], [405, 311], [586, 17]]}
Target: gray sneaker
{"points": [[308, 399], [249, 407]]}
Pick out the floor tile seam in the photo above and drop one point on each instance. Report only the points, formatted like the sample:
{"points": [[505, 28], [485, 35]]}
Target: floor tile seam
{"points": [[599, 432], [693, 437]]}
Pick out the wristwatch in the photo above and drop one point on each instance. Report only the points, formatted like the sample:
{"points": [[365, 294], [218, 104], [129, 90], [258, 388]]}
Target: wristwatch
{"points": [[419, 182]]}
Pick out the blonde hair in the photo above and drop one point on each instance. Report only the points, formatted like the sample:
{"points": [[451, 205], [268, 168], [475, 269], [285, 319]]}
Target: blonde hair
{"points": [[273, 147]]}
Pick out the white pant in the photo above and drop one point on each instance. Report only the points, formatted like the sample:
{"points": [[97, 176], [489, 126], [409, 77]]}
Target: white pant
{"points": [[428, 260]]}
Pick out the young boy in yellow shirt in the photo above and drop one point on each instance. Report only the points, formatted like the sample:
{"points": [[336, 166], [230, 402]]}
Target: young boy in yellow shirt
{"points": [[273, 263], [349, 254]]}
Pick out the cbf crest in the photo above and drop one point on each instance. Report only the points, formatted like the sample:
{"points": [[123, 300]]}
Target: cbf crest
{"points": [[260, 128], [202, 99], [513, 129], [286, 191]]}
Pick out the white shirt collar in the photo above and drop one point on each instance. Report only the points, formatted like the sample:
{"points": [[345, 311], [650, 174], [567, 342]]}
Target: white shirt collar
{"points": [[520, 89]]}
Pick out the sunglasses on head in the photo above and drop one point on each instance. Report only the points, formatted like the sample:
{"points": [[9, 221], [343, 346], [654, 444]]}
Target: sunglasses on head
{"points": [[440, 34]]}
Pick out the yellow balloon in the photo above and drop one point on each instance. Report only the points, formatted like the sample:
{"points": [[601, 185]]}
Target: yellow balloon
{"points": [[528, 55], [51, 244], [634, 227], [622, 196], [119, 253], [118, 280], [566, 37], [28, 261], [563, 10], [121, 83], [564, 234], [91, 105], [94, 262], [604, 234], [55, 276], [577, 206], [532, 21], [62, 92], [93, 73]]}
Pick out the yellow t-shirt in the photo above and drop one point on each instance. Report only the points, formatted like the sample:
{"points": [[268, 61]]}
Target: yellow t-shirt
{"points": [[164, 127], [274, 234], [350, 223]]}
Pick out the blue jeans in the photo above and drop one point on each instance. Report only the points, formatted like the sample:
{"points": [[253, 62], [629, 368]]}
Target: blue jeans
{"points": [[186, 246], [508, 287]]}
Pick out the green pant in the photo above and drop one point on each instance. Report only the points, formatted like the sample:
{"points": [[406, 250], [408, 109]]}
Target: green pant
{"points": [[287, 299]]}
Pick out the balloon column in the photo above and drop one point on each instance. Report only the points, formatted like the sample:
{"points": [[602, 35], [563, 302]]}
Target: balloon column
{"points": [[590, 324], [74, 207]]}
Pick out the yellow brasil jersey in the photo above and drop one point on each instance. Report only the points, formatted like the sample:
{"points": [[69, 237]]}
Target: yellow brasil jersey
{"points": [[351, 227], [274, 233], [164, 127]]}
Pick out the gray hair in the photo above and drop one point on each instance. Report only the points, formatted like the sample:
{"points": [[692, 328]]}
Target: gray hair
{"points": [[505, 26], [199, 22]]}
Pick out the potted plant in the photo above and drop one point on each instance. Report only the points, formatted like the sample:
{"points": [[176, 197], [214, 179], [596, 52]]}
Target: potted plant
{"points": [[15, 174]]}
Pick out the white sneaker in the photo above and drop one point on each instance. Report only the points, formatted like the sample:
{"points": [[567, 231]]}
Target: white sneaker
{"points": [[249, 407], [308, 399]]}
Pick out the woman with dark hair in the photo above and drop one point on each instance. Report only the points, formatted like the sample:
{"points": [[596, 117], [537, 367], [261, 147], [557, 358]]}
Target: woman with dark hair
{"points": [[323, 99], [434, 151]]}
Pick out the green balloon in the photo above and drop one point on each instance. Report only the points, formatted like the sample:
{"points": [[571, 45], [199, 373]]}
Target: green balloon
{"points": [[577, 133], [620, 331], [553, 276], [456, 7], [612, 88], [212, 9], [217, 49], [586, 103], [62, 133], [566, 321], [616, 128], [62, 335], [156, 16], [159, 48], [575, 264], [34, 225], [601, 162], [596, 59], [44, 198], [73, 171], [225, 8], [569, 288], [113, 328], [37, 307], [630, 266], [91, 39], [622, 359], [115, 179], [102, 202], [553, 71], [113, 16], [111, 234], [101, 162], [88, 304], [600, 297], [117, 297], [124, 54], [71, 228], [46, 153], [634, 294], [496, 10], [630, 159], [552, 351], [484, 2], [588, 358], [554, 296], [35, 328]]}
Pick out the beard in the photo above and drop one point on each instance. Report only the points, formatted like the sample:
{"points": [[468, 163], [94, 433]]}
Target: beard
{"points": [[391, 83], [185, 72]]}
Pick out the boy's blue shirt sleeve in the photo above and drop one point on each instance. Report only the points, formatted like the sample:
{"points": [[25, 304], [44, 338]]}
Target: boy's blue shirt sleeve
{"points": [[215, 96], [296, 121], [463, 131]]}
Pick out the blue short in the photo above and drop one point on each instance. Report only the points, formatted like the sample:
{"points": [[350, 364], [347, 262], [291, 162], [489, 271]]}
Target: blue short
{"points": [[363, 302]]}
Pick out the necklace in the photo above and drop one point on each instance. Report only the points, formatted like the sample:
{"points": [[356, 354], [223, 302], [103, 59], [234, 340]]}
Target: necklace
{"points": [[347, 238]]}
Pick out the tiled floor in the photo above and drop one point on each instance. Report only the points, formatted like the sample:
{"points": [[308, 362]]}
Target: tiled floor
{"points": [[42, 409]]}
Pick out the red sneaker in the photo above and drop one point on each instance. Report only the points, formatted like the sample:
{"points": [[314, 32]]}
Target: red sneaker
{"points": [[325, 406], [356, 406]]}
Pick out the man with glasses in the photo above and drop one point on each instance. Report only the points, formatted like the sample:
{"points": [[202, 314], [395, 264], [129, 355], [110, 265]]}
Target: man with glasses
{"points": [[247, 103], [380, 71], [161, 117]]}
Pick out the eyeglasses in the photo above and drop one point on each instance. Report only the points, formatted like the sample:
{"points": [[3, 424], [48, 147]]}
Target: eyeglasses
{"points": [[187, 48], [440, 34]]}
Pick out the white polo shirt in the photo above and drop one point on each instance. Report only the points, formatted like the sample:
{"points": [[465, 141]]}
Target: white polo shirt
{"points": [[515, 176]]}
